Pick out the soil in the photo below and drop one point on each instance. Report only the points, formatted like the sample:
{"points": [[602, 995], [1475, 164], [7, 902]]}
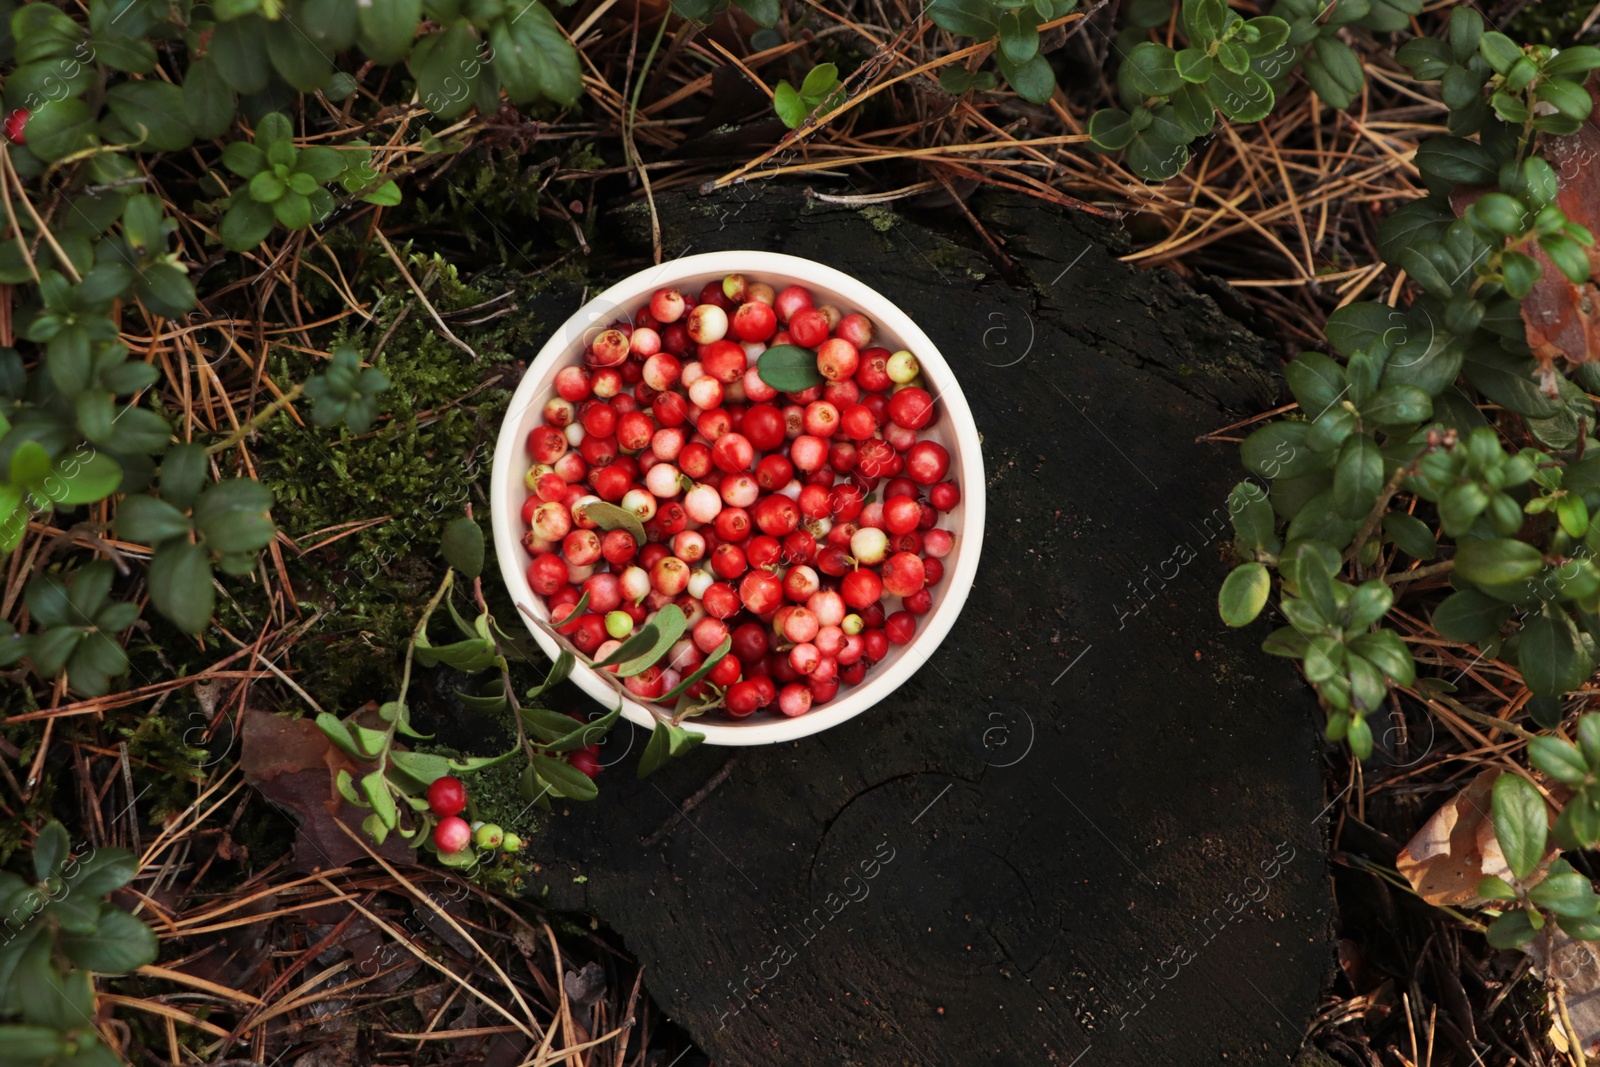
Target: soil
{"points": [[1090, 829]]}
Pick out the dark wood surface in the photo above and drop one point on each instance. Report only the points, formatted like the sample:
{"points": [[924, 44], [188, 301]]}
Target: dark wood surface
{"points": [[1087, 831]]}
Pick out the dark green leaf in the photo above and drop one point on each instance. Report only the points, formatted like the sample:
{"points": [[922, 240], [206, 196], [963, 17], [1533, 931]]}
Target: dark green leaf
{"points": [[208, 101], [387, 29], [1246, 97], [120, 944], [1358, 476], [148, 520], [1410, 534], [183, 474], [236, 47], [1316, 381], [46, 996], [295, 55], [1148, 70], [789, 368], [1033, 79], [1109, 128], [462, 546], [232, 515], [104, 871], [65, 127], [1457, 161], [565, 779], [1550, 654], [1508, 381], [657, 750], [965, 18], [660, 634], [50, 851], [180, 585], [1511, 930], [246, 224], [1498, 561], [1279, 450], [153, 111], [1566, 893]]}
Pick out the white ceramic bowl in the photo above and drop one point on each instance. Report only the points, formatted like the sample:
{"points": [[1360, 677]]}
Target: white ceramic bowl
{"points": [[953, 428]]}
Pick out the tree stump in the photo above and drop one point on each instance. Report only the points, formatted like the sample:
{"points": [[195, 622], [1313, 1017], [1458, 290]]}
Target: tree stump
{"points": [[1088, 830]]}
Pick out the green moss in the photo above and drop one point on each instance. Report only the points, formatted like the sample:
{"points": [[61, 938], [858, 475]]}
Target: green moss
{"points": [[880, 218], [415, 472]]}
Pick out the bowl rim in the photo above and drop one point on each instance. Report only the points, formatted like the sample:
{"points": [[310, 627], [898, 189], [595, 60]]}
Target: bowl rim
{"points": [[936, 625]]}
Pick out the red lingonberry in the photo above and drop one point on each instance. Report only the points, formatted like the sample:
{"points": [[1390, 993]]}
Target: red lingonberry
{"points": [[743, 697], [452, 834], [447, 796], [900, 627], [16, 124], [861, 588], [584, 761]]}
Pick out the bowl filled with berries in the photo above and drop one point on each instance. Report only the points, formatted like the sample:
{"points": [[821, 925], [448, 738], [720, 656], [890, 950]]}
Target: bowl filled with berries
{"points": [[745, 491]]}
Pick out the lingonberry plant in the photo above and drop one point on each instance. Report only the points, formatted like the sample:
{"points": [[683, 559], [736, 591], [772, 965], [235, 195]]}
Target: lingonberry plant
{"points": [[1171, 96], [59, 931], [1392, 457], [819, 91], [1013, 27]]}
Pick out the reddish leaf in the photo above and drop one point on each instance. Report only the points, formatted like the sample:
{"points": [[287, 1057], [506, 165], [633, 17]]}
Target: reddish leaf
{"points": [[1562, 319]]}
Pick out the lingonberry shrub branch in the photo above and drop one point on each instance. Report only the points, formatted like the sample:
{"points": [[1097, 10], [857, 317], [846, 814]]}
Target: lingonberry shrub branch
{"points": [[417, 794], [1392, 457]]}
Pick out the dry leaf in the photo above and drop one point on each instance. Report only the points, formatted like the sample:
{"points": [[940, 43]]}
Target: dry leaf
{"points": [[292, 764], [1456, 848]]}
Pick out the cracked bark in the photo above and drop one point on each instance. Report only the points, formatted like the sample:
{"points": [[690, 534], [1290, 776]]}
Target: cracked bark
{"points": [[1162, 762]]}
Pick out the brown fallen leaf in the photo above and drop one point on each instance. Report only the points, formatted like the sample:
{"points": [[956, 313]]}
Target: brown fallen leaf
{"points": [[292, 764], [1456, 848]]}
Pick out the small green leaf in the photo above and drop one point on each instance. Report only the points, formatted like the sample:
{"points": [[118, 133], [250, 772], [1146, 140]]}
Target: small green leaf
{"points": [[462, 546], [1512, 930], [1521, 823], [611, 517], [120, 944], [1498, 561], [1559, 758], [1565, 893], [51, 850], [1111, 129], [1550, 653], [1410, 534], [180, 585], [376, 788], [789, 368], [565, 779], [1244, 594]]}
